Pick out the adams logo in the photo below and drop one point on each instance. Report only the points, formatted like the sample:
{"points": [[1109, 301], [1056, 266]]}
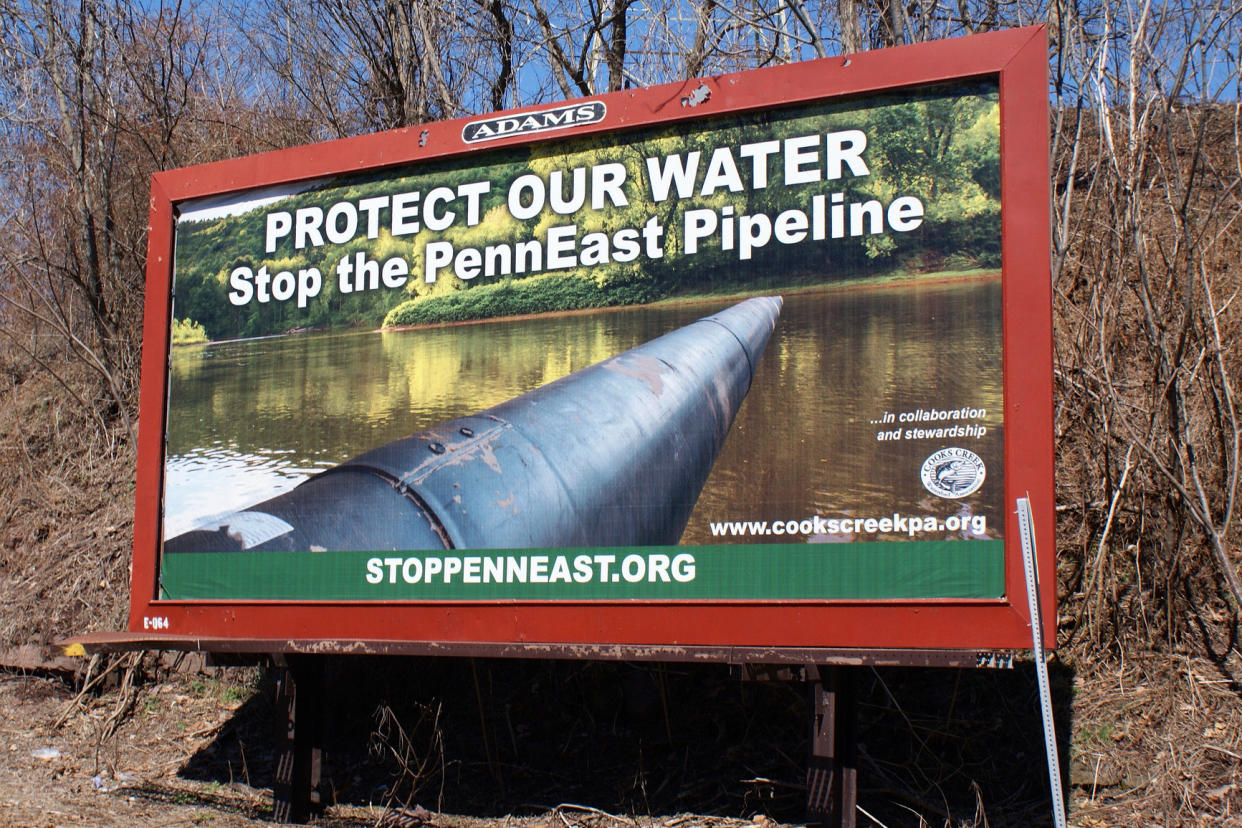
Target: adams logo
{"points": [[953, 473], [562, 117]]}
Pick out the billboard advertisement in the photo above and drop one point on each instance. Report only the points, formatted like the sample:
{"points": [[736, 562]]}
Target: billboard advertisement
{"points": [[693, 349]]}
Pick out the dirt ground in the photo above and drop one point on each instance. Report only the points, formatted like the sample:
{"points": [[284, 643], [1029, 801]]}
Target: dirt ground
{"points": [[555, 745]]}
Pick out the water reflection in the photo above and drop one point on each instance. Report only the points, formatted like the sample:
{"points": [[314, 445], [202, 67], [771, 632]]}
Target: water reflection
{"points": [[217, 479], [248, 420]]}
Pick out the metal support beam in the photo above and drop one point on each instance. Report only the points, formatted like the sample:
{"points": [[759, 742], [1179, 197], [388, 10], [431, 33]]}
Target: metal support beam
{"points": [[832, 777], [295, 790], [798, 657]]}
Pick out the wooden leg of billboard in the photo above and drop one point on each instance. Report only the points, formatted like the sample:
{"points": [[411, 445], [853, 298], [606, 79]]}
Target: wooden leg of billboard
{"points": [[295, 790], [832, 778]]}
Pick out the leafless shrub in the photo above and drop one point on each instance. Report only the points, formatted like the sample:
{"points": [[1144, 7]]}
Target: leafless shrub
{"points": [[1146, 244], [416, 756], [62, 574]]}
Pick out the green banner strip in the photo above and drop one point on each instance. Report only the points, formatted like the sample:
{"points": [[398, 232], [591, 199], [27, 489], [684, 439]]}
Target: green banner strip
{"points": [[845, 571]]}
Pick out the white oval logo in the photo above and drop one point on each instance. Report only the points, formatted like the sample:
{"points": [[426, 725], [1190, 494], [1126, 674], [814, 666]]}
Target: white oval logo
{"points": [[562, 117], [953, 472]]}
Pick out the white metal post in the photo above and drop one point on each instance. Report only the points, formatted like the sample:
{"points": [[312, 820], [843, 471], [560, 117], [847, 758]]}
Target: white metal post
{"points": [[1027, 530]]}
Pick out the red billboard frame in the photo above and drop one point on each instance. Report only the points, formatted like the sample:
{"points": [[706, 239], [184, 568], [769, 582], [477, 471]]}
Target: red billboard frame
{"points": [[1016, 58]]}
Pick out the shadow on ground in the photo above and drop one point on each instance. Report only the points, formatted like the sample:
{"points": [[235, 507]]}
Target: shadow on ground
{"points": [[493, 737]]}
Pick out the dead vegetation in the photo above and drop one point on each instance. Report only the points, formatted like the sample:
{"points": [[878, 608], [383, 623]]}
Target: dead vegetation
{"points": [[1147, 427], [67, 511], [1158, 739]]}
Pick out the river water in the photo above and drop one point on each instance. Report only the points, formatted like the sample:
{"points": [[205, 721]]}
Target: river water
{"points": [[251, 419]]}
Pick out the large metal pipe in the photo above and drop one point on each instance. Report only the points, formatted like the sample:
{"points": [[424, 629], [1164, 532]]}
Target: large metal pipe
{"points": [[612, 455]]}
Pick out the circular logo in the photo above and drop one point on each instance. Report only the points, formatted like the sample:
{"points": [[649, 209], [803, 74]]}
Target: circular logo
{"points": [[953, 472]]}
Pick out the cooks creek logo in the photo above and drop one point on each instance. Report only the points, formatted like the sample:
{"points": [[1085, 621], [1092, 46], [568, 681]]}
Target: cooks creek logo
{"points": [[546, 120], [953, 473]]}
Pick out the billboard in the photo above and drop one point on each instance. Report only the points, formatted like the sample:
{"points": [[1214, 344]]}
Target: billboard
{"points": [[740, 361]]}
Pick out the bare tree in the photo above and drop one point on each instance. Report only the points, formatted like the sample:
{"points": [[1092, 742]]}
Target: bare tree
{"points": [[379, 65], [64, 91], [1145, 237], [97, 95]]}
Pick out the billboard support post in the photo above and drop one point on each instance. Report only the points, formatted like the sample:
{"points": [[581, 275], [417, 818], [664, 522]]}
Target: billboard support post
{"points": [[300, 692], [832, 773]]}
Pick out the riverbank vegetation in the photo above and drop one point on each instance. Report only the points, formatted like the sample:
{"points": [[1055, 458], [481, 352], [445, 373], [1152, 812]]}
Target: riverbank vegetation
{"points": [[187, 332], [518, 297], [1147, 199]]}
